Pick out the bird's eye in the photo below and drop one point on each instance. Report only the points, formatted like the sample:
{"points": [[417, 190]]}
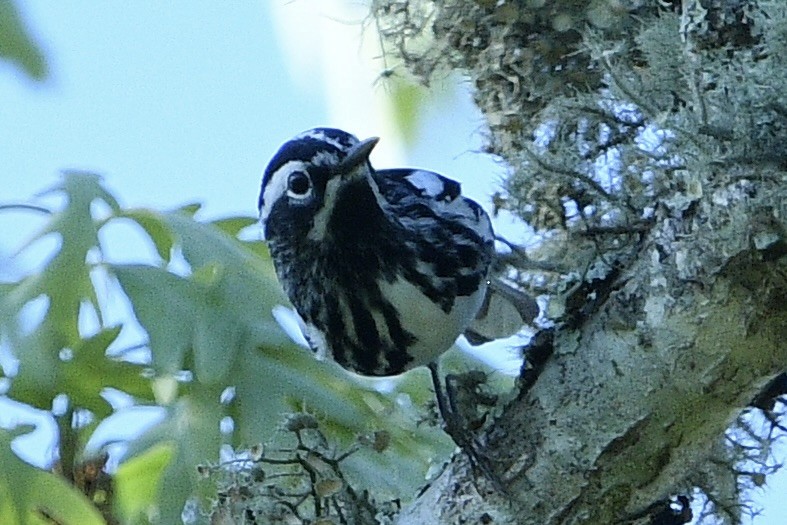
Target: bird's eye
{"points": [[299, 184]]}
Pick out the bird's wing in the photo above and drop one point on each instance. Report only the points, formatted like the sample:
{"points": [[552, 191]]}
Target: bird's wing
{"points": [[505, 311], [444, 195]]}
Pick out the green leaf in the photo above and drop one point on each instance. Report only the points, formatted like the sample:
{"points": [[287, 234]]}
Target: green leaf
{"points": [[90, 371], [65, 283], [225, 305], [66, 279], [84, 376], [138, 483], [8, 321], [190, 209], [167, 306], [233, 225], [28, 494], [191, 436], [272, 381], [16, 44], [156, 227]]}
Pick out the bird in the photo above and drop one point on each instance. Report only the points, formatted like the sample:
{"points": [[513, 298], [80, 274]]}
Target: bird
{"points": [[385, 267]]}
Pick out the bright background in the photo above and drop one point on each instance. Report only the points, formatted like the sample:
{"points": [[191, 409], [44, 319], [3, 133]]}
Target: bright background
{"points": [[186, 101]]}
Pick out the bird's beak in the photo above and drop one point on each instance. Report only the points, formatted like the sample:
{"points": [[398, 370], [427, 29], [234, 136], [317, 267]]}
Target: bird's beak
{"points": [[357, 155]]}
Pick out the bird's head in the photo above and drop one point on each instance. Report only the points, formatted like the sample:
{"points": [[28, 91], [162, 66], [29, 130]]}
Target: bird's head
{"points": [[305, 176]]}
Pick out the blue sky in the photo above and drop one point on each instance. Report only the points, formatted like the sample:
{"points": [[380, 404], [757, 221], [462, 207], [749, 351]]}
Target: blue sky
{"points": [[172, 105], [185, 101]]}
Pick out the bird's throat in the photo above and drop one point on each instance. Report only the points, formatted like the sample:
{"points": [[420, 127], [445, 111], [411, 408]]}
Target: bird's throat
{"points": [[351, 213]]}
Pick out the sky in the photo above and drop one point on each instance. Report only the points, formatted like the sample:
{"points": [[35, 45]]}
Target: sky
{"points": [[186, 101]]}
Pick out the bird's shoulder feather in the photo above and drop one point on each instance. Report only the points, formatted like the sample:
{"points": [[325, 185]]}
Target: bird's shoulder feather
{"points": [[406, 187]]}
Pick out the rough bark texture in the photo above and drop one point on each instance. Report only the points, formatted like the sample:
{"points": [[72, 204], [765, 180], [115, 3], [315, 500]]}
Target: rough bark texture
{"points": [[671, 308], [630, 406]]}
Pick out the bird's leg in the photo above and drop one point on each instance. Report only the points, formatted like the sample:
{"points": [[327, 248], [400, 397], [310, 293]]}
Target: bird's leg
{"points": [[456, 426]]}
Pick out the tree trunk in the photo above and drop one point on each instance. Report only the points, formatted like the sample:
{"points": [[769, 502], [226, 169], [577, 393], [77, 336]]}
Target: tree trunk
{"points": [[671, 312], [631, 405]]}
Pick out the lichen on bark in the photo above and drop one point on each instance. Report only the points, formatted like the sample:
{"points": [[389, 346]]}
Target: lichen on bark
{"points": [[645, 142]]}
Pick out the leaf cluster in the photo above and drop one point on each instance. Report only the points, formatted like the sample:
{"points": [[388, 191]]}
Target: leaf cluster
{"points": [[214, 362]]}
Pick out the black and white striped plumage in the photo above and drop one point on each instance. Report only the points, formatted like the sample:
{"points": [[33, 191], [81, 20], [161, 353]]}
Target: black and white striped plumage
{"points": [[386, 267]]}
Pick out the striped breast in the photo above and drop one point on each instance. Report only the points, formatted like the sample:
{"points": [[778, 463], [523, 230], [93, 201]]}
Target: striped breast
{"points": [[398, 286]]}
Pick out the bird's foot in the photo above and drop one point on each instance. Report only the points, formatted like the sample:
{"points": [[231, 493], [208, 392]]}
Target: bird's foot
{"points": [[459, 428]]}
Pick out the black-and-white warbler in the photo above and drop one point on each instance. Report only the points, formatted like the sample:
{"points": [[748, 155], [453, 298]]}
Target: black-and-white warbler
{"points": [[386, 267]]}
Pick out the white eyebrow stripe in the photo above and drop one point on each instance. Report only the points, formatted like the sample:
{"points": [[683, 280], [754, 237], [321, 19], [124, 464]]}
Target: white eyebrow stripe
{"points": [[277, 186]]}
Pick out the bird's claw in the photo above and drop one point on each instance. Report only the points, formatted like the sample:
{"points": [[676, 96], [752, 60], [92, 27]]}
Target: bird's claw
{"points": [[456, 426]]}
